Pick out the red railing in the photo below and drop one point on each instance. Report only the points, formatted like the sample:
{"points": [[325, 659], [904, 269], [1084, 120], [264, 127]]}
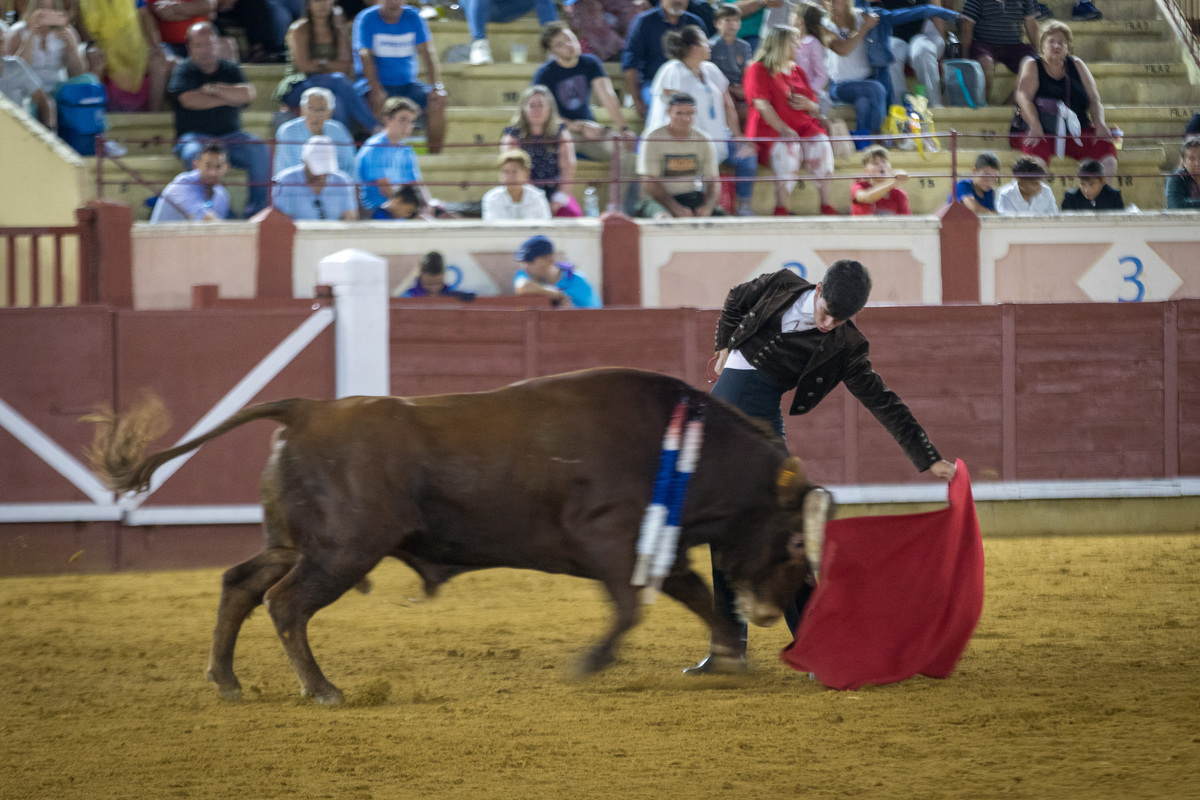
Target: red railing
{"points": [[28, 259]]}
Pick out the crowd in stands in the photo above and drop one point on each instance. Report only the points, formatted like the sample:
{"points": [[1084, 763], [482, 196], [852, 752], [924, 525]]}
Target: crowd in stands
{"points": [[740, 83]]}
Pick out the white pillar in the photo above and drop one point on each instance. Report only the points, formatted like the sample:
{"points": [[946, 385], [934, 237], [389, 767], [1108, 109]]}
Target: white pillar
{"points": [[360, 291]]}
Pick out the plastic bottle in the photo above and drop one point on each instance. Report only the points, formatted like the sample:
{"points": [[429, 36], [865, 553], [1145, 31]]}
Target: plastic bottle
{"points": [[591, 202]]}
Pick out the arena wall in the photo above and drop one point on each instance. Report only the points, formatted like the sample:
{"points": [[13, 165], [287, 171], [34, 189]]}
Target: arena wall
{"points": [[1019, 392]]}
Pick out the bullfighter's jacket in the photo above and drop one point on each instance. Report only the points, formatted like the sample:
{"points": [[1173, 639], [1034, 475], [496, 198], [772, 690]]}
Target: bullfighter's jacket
{"points": [[815, 363]]}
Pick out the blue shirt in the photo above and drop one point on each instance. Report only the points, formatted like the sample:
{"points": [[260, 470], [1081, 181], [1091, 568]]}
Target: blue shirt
{"points": [[291, 136], [643, 46], [186, 198], [293, 197], [966, 188], [394, 46], [570, 283], [379, 158]]}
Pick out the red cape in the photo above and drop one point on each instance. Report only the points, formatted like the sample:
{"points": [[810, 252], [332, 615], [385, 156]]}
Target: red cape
{"points": [[899, 596]]}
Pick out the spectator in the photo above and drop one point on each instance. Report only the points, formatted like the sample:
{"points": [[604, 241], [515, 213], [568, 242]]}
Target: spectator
{"points": [[197, 195], [540, 275], [919, 44], [978, 192], [317, 105], [849, 70], [1193, 126], [258, 24], [784, 107], [601, 25], [572, 77], [811, 54], [537, 130], [318, 48], [880, 193], [404, 203], [1057, 77], [1094, 193], [124, 54], [20, 85], [753, 13], [174, 18], [643, 53], [47, 42], [386, 161], [387, 40], [481, 12], [679, 166], [731, 54], [209, 94], [431, 280], [1028, 193], [689, 71], [316, 188], [1182, 188], [514, 198], [991, 32]]}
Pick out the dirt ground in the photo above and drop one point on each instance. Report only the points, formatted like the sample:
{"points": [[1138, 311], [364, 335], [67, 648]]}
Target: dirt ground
{"points": [[1083, 680]]}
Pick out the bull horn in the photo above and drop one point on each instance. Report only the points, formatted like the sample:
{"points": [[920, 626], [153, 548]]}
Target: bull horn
{"points": [[790, 481]]}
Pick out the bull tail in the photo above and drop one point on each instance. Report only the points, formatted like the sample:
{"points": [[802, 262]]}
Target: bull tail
{"points": [[117, 454]]}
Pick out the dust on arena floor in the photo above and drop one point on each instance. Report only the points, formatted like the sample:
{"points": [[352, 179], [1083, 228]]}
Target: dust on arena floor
{"points": [[1081, 681]]}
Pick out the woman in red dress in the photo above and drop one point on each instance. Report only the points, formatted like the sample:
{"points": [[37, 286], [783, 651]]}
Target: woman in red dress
{"points": [[784, 107]]}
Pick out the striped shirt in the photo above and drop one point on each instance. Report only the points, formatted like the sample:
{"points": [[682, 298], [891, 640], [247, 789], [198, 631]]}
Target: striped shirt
{"points": [[998, 22]]}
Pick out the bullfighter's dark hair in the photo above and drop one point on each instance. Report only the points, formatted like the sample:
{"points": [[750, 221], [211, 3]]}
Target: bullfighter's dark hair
{"points": [[432, 263], [1091, 168], [845, 288], [677, 43]]}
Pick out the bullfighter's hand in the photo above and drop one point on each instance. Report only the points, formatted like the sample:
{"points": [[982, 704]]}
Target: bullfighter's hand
{"points": [[943, 469], [722, 357]]}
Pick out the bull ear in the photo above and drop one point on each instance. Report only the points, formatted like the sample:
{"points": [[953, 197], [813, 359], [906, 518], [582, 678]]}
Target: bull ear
{"points": [[790, 482]]}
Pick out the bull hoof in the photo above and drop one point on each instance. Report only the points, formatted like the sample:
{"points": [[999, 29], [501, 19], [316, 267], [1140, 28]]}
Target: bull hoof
{"points": [[231, 691], [594, 661], [331, 697], [719, 665]]}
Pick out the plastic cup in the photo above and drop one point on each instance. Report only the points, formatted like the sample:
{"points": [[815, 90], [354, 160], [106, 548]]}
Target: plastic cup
{"points": [[519, 53]]}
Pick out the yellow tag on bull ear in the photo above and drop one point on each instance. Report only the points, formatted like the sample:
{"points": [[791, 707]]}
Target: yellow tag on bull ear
{"points": [[785, 479], [790, 480]]}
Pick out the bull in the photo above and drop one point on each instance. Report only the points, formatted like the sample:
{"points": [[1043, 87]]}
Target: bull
{"points": [[551, 474]]}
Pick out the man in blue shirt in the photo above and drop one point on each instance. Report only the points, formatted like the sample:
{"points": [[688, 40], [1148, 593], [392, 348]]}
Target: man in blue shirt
{"points": [[197, 195], [385, 162], [316, 111], [386, 42], [316, 189], [643, 53], [541, 275]]}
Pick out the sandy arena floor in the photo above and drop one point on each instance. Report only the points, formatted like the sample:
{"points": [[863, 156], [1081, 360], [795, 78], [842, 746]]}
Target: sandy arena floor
{"points": [[1083, 681]]}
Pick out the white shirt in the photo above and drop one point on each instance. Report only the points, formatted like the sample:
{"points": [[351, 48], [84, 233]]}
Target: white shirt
{"points": [[851, 67], [797, 318], [1009, 201], [498, 204], [709, 91]]}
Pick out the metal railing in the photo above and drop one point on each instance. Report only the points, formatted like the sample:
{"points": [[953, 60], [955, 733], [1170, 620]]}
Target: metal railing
{"points": [[1186, 14]]}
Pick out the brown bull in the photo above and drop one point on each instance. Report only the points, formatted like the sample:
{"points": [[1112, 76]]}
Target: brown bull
{"points": [[551, 474]]}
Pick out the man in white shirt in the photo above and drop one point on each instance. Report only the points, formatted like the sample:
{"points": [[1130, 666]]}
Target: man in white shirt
{"points": [[514, 198], [1028, 194]]}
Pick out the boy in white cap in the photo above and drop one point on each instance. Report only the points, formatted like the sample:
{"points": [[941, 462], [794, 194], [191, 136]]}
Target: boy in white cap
{"points": [[316, 188]]}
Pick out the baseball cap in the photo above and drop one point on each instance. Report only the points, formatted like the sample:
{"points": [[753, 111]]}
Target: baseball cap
{"points": [[534, 247], [319, 154]]}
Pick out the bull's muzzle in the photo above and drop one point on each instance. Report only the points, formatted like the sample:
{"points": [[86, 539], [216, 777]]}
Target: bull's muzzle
{"points": [[757, 612]]}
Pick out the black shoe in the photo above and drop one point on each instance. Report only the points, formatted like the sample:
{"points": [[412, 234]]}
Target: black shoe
{"points": [[1042, 12], [723, 665]]}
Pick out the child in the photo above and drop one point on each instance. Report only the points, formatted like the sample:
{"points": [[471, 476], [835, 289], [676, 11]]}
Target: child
{"points": [[879, 193], [1094, 193], [405, 203], [978, 192], [431, 280], [811, 53], [730, 53], [1028, 194]]}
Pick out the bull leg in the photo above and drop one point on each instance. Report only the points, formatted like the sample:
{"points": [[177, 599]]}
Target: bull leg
{"points": [[727, 652], [625, 602], [292, 602], [242, 589]]}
